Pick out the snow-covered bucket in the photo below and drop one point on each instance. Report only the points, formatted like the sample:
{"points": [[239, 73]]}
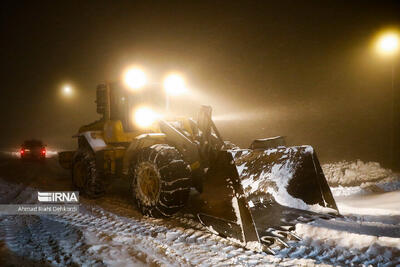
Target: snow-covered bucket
{"points": [[246, 192]]}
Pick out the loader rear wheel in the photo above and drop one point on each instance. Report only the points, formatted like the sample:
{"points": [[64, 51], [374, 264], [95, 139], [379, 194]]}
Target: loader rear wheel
{"points": [[160, 180], [85, 177]]}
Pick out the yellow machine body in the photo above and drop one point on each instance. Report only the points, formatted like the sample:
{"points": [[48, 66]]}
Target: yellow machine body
{"points": [[115, 142]]}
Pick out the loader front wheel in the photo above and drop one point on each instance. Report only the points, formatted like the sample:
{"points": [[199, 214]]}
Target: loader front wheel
{"points": [[85, 177], [160, 180]]}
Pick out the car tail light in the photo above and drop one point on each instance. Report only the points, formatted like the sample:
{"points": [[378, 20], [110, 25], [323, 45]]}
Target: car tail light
{"points": [[22, 151], [43, 151]]}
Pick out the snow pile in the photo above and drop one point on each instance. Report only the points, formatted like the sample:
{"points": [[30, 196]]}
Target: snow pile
{"points": [[352, 178], [355, 173]]}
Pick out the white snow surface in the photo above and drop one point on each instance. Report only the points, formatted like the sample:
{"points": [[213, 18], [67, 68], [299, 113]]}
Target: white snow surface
{"points": [[382, 204], [369, 233], [345, 239], [111, 232]]}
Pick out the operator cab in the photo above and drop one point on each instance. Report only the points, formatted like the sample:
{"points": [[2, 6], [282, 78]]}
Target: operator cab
{"points": [[124, 101]]}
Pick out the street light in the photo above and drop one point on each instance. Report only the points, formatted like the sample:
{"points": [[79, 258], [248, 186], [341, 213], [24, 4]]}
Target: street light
{"points": [[387, 44], [174, 85], [135, 78]]}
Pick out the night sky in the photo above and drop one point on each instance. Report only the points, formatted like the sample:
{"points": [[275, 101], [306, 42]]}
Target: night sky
{"points": [[303, 69]]}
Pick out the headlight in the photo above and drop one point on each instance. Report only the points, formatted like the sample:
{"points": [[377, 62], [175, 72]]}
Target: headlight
{"points": [[135, 78], [145, 117], [174, 84]]}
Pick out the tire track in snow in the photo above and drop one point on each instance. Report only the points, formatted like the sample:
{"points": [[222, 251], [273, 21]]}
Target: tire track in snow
{"points": [[43, 240], [167, 241], [321, 251]]}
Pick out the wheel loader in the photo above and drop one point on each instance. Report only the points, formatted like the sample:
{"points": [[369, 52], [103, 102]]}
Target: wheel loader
{"points": [[252, 196]]}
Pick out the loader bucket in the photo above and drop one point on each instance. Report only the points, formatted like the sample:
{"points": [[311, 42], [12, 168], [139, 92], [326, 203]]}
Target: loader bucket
{"points": [[249, 192]]}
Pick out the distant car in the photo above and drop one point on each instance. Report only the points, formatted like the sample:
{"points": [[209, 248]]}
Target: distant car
{"points": [[33, 149]]}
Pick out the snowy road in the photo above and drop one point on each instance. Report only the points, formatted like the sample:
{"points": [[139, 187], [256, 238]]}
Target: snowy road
{"points": [[110, 232]]}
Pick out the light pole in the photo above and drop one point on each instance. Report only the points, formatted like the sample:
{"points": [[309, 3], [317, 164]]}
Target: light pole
{"points": [[388, 45], [174, 85]]}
